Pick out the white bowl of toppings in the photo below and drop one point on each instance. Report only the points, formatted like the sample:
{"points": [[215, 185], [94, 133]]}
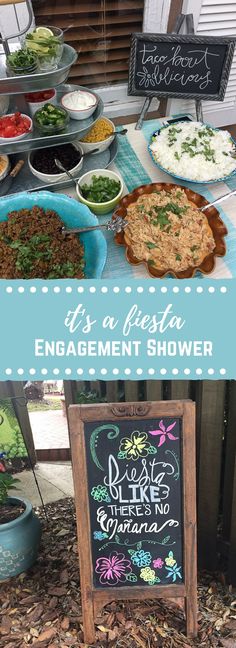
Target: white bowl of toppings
{"points": [[100, 136], [42, 165], [80, 104], [15, 127], [194, 152], [4, 166], [36, 100]]}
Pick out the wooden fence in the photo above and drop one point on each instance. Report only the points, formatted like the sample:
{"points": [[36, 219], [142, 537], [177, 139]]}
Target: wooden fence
{"points": [[216, 451]]}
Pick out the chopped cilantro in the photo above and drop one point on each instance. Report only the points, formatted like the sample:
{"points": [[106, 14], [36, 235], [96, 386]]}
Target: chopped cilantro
{"points": [[162, 214], [178, 257], [209, 131], [151, 245], [162, 220], [177, 156], [193, 248], [174, 129], [176, 209], [141, 207]]}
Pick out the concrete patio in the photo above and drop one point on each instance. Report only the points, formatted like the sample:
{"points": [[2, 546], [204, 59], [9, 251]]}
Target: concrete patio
{"points": [[49, 429], [54, 479]]}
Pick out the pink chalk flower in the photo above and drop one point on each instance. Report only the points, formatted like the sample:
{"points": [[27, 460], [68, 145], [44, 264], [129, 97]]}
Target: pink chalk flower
{"points": [[113, 568], [164, 432], [158, 563]]}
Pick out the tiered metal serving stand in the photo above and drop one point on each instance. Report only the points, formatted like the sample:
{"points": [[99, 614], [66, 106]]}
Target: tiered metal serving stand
{"points": [[16, 87]]}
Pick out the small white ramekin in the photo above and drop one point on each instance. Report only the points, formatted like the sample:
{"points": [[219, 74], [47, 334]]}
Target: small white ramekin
{"points": [[35, 105], [80, 114]]}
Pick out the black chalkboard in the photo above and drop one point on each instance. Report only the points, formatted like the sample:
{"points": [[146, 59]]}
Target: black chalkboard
{"points": [[134, 473], [172, 65]]}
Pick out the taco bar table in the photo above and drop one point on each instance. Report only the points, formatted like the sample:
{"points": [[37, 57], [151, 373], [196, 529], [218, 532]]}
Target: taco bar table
{"points": [[136, 168]]}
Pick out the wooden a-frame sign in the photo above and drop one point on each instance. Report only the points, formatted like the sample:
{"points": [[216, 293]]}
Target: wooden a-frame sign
{"points": [[135, 494]]}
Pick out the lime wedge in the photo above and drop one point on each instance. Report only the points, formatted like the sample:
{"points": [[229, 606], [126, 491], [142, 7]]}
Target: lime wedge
{"points": [[44, 32]]}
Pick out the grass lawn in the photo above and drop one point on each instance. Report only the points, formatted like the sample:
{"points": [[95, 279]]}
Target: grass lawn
{"points": [[44, 405]]}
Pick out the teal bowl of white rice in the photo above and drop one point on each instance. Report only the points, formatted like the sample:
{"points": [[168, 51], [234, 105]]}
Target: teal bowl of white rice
{"points": [[194, 152]]}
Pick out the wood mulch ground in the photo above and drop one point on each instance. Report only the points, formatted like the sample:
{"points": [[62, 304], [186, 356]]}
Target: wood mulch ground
{"points": [[42, 608]]}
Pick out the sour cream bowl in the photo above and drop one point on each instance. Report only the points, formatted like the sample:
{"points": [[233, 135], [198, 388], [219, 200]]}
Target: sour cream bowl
{"points": [[80, 104]]}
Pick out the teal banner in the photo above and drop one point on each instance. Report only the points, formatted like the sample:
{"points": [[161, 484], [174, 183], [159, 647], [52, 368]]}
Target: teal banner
{"points": [[107, 330]]}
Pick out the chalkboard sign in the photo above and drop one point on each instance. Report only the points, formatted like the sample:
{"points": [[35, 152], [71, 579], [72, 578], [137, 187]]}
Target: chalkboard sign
{"points": [[134, 479], [134, 467], [173, 65]]}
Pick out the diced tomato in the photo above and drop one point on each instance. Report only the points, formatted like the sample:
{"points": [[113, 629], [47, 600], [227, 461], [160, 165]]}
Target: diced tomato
{"points": [[35, 97], [10, 131], [14, 125]]}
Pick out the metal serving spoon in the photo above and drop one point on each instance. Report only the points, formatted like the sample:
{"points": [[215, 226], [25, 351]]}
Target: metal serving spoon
{"points": [[218, 200], [116, 225], [122, 132], [62, 168]]}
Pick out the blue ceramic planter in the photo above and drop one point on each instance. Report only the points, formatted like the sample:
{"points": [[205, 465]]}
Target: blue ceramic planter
{"points": [[19, 541]]}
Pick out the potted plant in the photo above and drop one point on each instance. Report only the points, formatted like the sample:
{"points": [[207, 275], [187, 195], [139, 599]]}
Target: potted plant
{"points": [[20, 529]]}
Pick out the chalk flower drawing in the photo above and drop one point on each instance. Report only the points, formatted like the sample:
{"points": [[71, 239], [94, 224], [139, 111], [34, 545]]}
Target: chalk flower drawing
{"points": [[136, 446], [158, 563], [141, 558], [100, 493], [174, 572], [113, 569], [146, 78], [149, 576], [164, 432], [99, 535], [170, 560]]}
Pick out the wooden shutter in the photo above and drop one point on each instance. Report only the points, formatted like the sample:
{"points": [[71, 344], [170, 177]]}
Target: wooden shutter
{"points": [[214, 19], [100, 33]]}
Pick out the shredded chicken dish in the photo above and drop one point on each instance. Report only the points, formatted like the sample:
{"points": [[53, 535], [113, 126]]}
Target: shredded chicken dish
{"points": [[166, 230]]}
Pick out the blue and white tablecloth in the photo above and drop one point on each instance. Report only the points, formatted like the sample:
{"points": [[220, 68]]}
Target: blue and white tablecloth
{"points": [[135, 165]]}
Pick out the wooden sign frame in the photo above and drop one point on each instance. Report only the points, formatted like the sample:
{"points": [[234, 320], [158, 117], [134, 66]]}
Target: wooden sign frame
{"points": [[179, 39], [184, 594]]}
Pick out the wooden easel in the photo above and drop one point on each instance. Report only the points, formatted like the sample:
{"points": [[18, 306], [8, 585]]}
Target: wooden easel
{"points": [[181, 18], [94, 598]]}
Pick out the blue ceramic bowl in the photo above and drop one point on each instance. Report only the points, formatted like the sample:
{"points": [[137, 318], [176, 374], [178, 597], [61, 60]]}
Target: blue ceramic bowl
{"points": [[73, 214], [200, 182]]}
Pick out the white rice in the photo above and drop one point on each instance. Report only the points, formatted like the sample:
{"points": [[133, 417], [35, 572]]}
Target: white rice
{"points": [[167, 149]]}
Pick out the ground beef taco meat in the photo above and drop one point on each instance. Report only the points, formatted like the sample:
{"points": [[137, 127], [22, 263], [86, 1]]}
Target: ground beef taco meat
{"points": [[32, 246]]}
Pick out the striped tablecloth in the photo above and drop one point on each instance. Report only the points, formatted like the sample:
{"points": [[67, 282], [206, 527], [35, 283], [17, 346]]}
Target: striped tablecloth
{"points": [[135, 165]]}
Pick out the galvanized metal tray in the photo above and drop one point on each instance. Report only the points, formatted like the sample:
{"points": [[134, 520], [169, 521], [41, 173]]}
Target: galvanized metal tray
{"points": [[40, 80], [74, 130], [26, 181]]}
